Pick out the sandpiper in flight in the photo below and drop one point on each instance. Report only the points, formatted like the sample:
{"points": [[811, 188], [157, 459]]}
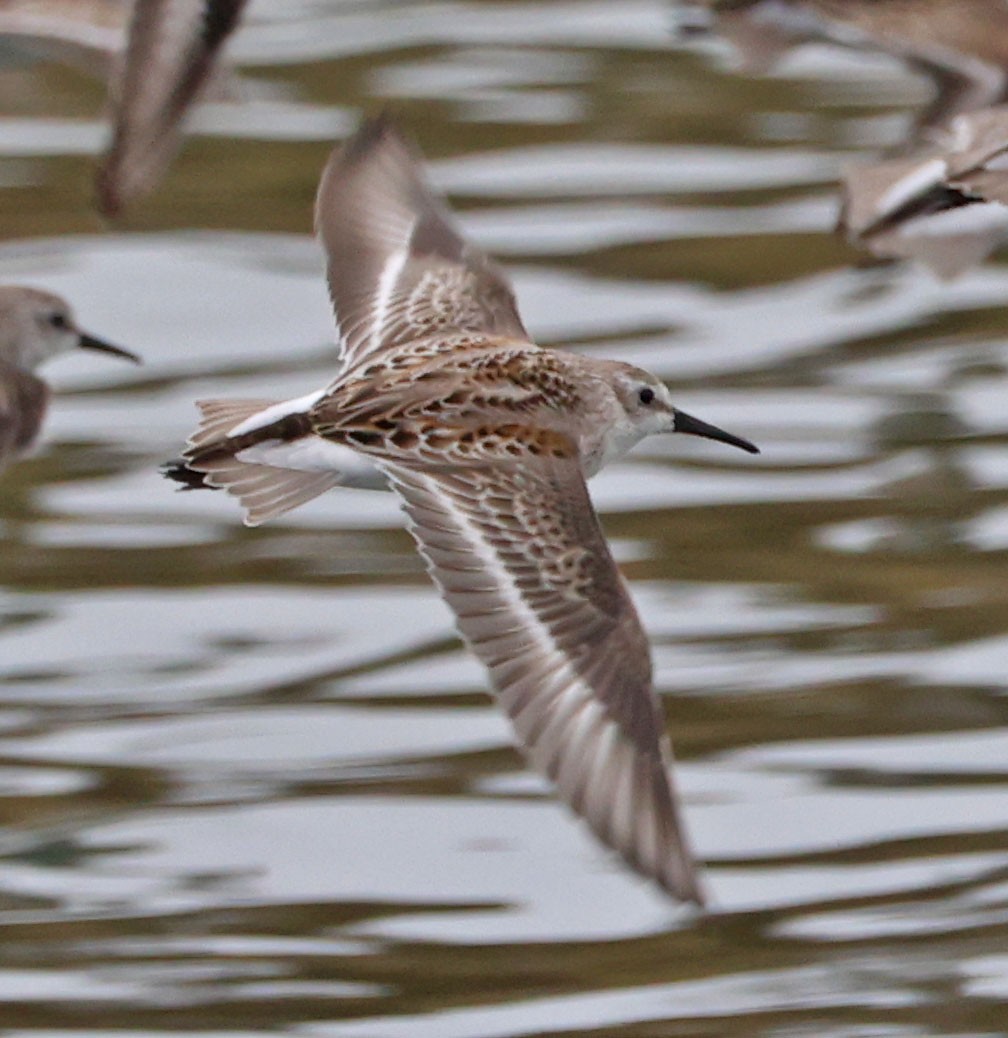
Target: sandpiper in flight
{"points": [[488, 440], [34, 326]]}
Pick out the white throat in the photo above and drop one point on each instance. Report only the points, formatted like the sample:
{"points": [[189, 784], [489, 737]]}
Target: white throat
{"points": [[612, 445]]}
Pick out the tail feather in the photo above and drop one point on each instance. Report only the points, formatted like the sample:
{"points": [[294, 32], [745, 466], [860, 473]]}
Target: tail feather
{"points": [[219, 417], [211, 459], [264, 491]]}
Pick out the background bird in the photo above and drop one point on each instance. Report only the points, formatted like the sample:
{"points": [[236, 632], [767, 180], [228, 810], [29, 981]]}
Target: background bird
{"points": [[34, 327]]}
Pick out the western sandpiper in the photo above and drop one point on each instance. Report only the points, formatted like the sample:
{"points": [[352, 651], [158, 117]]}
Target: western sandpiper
{"points": [[170, 53], [34, 326], [488, 440]]}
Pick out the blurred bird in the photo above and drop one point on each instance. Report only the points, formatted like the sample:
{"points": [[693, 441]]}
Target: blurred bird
{"points": [[158, 57], [488, 440], [170, 54], [960, 45], [34, 326], [946, 206], [940, 195]]}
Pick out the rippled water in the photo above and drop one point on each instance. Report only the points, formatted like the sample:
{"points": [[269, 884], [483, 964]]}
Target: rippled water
{"points": [[250, 781]]}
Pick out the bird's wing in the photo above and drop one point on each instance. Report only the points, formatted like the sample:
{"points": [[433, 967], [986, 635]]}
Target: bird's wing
{"points": [[169, 54], [9, 421], [398, 267], [23, 402], [519, 556]]}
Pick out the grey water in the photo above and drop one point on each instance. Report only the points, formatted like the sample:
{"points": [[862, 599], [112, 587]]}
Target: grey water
{"points": [[249, 779]]}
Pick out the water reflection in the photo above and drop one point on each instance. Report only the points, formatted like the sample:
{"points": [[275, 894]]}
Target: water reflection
{"points": [[213, 768]]}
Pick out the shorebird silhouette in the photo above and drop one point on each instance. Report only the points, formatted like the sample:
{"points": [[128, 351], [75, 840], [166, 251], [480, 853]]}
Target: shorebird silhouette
{"points": [[34, 326], [488, 440]]}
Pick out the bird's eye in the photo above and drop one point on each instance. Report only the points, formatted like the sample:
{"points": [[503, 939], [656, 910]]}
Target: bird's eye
{"points": [[646, 395], [58, 320]]}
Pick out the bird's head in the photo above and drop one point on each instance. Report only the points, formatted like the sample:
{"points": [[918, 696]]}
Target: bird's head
{"points": [[36, 326], [649, 409]]}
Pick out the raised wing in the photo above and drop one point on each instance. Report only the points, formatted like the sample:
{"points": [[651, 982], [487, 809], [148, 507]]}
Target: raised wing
{"points": [[398, 267], [23, 402], [519, 556], [169, 55]]}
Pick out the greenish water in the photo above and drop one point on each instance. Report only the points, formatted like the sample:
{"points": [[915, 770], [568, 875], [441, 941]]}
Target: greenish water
{"points": [[249, 780]]}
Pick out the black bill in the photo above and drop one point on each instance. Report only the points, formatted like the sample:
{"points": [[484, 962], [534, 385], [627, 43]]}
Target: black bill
{"points": [[686, 423], [89, 342]]}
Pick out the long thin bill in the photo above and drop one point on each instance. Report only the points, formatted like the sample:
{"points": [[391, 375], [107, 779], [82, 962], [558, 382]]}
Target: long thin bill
{"points": [[686, 423], [89, 342]]}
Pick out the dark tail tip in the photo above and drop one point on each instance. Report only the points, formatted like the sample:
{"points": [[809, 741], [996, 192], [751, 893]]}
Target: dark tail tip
{"points": [[179, 470]]}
